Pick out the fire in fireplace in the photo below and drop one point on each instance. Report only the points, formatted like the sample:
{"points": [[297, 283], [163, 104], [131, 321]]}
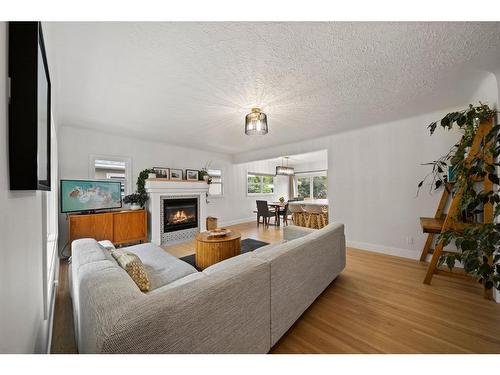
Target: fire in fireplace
{"points": [[180, 214]]}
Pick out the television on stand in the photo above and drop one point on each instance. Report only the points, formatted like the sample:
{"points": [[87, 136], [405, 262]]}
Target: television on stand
{"points": [[89, 196]]}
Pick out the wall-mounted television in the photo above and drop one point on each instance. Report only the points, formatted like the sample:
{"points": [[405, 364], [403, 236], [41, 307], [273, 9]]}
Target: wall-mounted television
{"points": [[29, 108], [90, 195]]}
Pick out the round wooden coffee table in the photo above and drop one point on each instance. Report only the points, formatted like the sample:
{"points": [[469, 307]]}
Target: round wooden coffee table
{"points": [[213, 250]]}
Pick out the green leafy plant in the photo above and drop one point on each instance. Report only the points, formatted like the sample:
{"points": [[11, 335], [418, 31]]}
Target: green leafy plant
{"points": [[477, 244], [201, 176], [140, 196], [141, 180], [136, 198], [204, 172]]}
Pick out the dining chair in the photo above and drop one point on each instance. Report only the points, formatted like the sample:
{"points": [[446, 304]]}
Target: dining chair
{"points": [[285, 212], [264, 212]]}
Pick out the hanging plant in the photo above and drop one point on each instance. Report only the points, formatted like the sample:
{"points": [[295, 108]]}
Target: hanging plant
{"points": [[141, 180], [477, 244]]}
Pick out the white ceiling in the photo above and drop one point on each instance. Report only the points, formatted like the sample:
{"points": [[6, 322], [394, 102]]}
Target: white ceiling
{"points": [[192, 83]]}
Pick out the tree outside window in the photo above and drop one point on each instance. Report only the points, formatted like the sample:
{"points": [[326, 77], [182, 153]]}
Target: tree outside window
{"points": [[313, 186], [320, 185], [304, 186], [260, 184]]}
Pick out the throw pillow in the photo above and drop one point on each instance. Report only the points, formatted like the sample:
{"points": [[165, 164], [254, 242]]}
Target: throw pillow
{"points": [[134, 267]]}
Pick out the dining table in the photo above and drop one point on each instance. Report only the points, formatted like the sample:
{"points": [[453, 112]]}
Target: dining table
{"points": [[277, 207]]}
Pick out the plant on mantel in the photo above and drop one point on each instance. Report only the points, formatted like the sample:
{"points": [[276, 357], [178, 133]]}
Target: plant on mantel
{"points": [[477, 245], [140, 197], [203, 174]]}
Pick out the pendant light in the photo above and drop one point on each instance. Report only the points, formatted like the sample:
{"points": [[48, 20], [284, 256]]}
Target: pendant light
{"points": [[285, 171], [256, 122]]}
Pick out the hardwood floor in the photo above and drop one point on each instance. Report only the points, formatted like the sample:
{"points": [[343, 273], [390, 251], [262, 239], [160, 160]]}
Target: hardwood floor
{"points": [[377, 305], [63, 334]]}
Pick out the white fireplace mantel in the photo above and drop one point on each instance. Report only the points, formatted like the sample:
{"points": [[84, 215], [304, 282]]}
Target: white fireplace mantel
{"points": [[158, 188]]}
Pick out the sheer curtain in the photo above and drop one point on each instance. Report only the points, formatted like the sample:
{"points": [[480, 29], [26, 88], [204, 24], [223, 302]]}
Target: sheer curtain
{"points": [[293, 188]]}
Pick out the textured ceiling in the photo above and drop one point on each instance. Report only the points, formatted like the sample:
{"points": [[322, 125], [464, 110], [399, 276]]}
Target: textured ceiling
{"points": [[192, 83]]}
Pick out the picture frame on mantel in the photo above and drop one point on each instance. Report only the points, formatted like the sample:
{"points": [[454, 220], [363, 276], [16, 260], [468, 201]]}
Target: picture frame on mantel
{"points": [[162, 172], [191, 175], [176, 174]]}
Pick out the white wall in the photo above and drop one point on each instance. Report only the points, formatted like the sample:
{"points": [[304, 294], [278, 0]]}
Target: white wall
{"points": [[76, 144], [23, 328]]}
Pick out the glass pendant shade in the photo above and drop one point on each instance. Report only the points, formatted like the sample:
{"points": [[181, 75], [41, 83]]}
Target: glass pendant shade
{"points": [[285, 171], [256, 123]]}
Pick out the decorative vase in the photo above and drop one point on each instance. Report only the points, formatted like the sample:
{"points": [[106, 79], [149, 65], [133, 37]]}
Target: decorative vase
{"points": [[135, 206], [206, 177]]}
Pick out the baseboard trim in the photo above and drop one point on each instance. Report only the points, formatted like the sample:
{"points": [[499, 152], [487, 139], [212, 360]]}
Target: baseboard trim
{"points": [[404, 253], [394, 251], [237, 221]]}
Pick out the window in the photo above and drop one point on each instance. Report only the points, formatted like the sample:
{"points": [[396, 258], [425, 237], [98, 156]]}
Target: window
{"points": [[111, 168], [313, 185], [258, 183], [304, 186], [320, 185], [215, 188]]}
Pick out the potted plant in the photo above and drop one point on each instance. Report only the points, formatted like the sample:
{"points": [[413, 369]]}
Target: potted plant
{"points": [[136, 200], [203, 174], [478, 244]]}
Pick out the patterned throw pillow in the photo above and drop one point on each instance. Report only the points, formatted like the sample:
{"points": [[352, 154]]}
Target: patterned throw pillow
{"points": [[134, 267]]}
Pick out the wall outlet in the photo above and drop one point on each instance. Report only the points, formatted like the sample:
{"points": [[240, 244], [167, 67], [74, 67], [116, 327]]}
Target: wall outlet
{"points": [[409, 240]]}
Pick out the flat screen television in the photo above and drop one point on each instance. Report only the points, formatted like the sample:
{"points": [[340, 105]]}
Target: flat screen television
{"points": [[90, 195], [29, 108]]}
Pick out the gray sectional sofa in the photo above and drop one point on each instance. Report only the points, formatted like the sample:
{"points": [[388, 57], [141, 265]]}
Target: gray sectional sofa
{"points": [[242, 305]]}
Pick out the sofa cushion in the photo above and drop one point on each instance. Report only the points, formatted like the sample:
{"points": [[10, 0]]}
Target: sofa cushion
{"points": [[131, 263], [228, 263], [268, 247], [162, 268], [89, 251], [179, 282], [107, 244]]}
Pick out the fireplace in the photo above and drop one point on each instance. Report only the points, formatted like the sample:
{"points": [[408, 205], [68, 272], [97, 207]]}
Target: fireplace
{"points": [[180, 214]]}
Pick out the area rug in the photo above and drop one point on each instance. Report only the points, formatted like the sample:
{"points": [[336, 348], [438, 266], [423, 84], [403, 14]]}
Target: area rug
{"points": [[247, 245]]}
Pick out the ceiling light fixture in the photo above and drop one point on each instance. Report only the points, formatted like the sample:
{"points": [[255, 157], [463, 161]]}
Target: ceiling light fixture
{"points": [[285, 171], [256, 122]]}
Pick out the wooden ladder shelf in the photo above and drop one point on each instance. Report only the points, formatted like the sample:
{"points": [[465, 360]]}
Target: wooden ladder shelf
{"points": [[443, 222]]}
